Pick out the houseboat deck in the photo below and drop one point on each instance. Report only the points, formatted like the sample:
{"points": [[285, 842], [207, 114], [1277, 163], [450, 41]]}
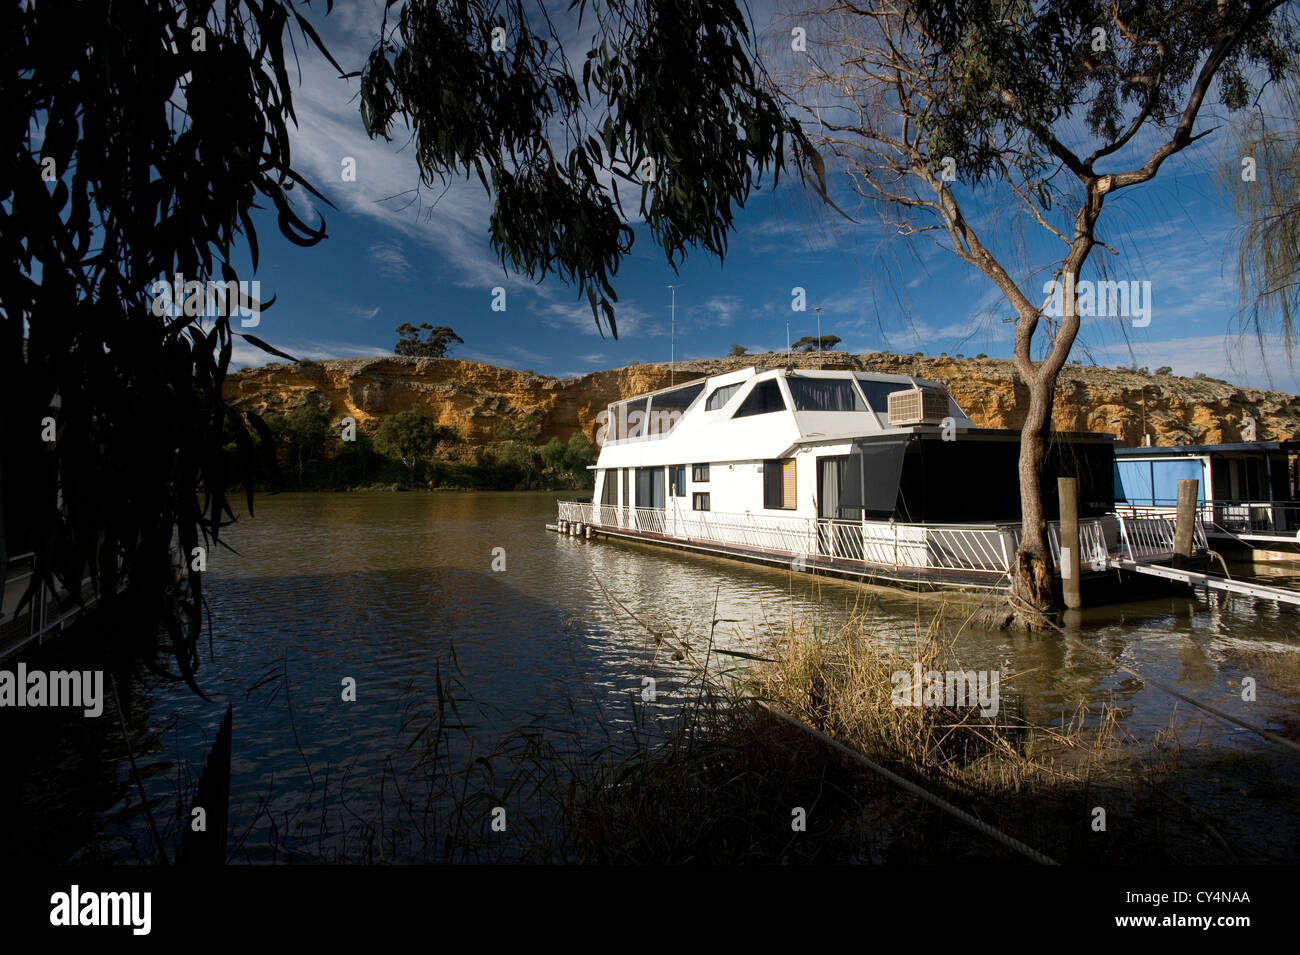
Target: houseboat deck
{"points": [[1246, 492], [916, 556]]}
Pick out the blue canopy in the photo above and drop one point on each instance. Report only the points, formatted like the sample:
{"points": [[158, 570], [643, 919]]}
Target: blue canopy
{"points": [[1156, 482]]}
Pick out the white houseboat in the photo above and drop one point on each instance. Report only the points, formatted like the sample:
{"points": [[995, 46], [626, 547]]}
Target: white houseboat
{"points": [[1246, 492], [870, 476]]}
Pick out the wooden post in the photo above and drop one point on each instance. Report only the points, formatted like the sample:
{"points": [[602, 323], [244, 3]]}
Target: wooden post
{"points": [[1068, 492], [1185, 522]]}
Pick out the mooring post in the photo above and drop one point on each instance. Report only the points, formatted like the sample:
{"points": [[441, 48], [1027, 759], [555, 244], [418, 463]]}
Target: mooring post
{"points": [[1185, 522], [1067, 489]]}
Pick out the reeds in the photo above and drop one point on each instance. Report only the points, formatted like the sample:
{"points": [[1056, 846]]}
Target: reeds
{"points": [[723, 782]]}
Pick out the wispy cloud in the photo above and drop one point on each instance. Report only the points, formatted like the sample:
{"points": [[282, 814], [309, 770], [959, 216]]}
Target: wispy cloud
{"points": [[721, 310], [632, 320], [526, 355], [390, 260], [359, 311]]}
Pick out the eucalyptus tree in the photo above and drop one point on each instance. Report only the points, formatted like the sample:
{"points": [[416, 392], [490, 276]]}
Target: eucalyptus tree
{"points": [[144, 133], [951, 114], [667, 102], [1263, 177], [141, 137]]}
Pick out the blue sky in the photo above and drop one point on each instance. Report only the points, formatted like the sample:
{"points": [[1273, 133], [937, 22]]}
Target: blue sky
{"points": [[396, 253]]}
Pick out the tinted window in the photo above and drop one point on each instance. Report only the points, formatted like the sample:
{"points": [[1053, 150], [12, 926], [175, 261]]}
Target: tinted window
{"points": [[764, 399], [720, 396], [824, 394], [878, 393], [678, 399]]}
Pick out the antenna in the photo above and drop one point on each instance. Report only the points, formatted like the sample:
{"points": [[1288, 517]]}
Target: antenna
{"points": [[672, 338], [787, 345], [818, 310]]}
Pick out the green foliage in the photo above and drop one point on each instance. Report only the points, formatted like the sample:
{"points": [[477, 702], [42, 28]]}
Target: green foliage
{"points": [[159, 153], [434, 345], [737, 350], [522, 457], [411, 436], [304, 433], [671, 84], [569, 461], [809, 343], [1027, 66], [1268, 255], [581, 453], [1164, 370], [553, 454]]}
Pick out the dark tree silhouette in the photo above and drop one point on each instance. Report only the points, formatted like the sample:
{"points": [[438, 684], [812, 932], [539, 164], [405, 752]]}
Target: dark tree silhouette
{"points": [[433, 345], [145, 134], [667, 99], [147, 131], [809, 343]]}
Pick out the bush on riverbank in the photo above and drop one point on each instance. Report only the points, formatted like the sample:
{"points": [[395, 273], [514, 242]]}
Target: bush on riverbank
{"points": [[311, 455]]}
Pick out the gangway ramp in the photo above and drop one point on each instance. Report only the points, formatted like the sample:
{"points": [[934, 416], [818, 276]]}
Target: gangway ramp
{"points": [[1212, 581]]}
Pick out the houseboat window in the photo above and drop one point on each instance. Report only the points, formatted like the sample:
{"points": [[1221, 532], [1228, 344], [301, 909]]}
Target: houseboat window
{"points": [[677, 478], [679, 399], [779, 484], [650, 487], [700, 472], [824, 394], [720, 396], [666, 408], [700, 501], [831, 475], [1155, 483], [608, 489], [764, 399], [878, 393], [628, 419]]}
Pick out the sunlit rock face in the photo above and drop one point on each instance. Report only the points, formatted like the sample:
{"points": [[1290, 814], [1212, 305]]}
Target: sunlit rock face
{"points": [[474, 398]]}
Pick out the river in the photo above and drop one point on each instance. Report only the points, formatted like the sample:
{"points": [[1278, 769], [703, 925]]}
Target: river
{"points": [[559, 636]]}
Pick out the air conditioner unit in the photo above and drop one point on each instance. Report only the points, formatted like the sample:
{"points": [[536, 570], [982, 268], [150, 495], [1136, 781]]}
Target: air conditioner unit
{"points": [[921, 405]]}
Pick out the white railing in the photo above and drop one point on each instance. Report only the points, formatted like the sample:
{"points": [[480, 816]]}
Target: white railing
{"points": [[1252, 517], [1095, 537], [1151, 536], [921, 546], [985, 549]]}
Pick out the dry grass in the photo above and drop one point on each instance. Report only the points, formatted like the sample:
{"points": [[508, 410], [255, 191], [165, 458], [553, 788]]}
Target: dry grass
{"points": [[724, 782]]}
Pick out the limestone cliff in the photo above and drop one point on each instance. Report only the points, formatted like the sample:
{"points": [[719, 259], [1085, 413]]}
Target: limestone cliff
{"points": [[473, 398]]}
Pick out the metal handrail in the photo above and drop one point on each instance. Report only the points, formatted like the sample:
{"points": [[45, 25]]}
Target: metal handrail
{"points": [[978, 548]]}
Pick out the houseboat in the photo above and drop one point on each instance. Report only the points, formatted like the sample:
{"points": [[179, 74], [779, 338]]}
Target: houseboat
{"points": [[1246, 492], [871, 476]]}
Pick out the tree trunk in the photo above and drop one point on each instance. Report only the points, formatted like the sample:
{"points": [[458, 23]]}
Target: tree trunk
{"points": [[1032, 591]]}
